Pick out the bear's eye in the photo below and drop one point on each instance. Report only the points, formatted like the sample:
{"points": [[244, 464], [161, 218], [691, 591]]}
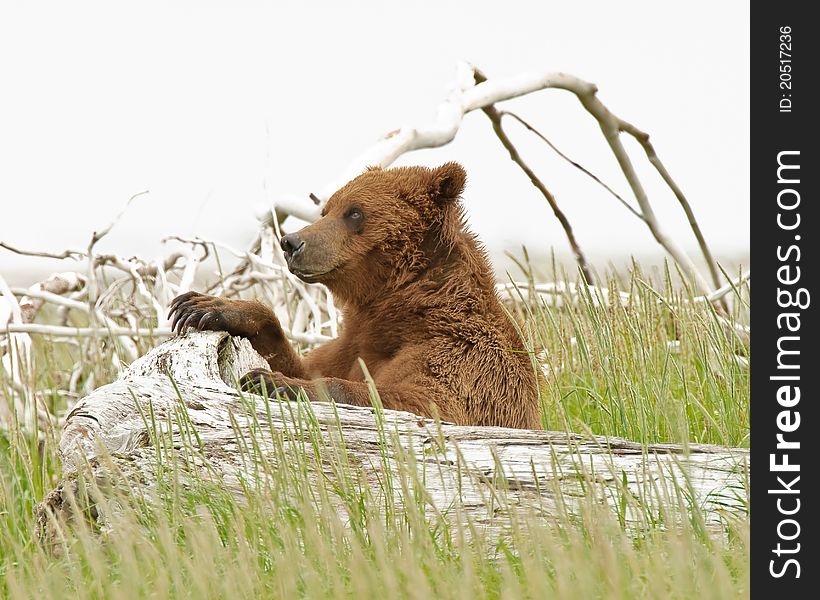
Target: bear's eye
{"points": [[354, 219]]}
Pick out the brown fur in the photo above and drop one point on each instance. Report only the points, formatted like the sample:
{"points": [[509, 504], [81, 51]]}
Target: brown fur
{"points": [[419, 303]]}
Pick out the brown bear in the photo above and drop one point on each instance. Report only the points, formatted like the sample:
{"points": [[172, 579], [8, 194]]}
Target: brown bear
{"points": [[419, 304]]}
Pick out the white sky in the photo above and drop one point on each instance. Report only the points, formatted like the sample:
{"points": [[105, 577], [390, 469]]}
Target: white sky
{"points": [[217, 107]]}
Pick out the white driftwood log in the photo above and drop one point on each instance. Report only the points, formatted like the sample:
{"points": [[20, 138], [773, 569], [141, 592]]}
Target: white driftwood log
{"points": [[542, 470]]}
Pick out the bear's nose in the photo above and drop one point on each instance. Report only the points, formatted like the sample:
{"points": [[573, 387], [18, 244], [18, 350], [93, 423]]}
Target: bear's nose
{"points": [[292, 244]]}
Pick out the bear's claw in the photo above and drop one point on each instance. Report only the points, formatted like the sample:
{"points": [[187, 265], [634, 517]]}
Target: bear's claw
{"points": [[261, 383], [193, 310]]}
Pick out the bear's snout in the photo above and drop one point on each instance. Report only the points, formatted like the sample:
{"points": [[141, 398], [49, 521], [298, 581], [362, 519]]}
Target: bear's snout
{"points": [[292, 245]]}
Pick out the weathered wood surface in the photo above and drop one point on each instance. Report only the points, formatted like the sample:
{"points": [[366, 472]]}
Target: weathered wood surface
{"points": [[542, 470]]}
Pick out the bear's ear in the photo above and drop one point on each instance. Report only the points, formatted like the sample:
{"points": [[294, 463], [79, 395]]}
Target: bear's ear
{"points": [[447, 182]]}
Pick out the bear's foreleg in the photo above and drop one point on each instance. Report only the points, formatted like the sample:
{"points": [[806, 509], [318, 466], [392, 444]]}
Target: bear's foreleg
{"points": [[357, 393], [247, 318]]}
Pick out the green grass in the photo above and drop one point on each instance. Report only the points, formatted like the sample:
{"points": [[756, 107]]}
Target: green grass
{"points": [[295, 536], [612, 371]]}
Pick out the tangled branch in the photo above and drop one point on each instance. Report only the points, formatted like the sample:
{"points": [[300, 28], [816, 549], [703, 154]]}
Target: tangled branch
{"points": [[495, 118]]}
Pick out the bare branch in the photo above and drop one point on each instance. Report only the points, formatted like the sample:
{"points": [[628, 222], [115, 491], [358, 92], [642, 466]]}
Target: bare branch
{"points": [[45, 296], [494, 116], [97, 236], [506, 113], [92, 276], [643, 140], [72, 254], [731, 286]]}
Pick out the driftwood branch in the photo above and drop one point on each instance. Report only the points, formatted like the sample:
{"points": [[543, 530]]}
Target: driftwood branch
{"points": [[74, 254], [495, 118], [577, 165], [466, 469], [643, 139]]}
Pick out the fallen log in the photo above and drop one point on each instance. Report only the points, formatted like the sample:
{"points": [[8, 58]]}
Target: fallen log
{"points": [[482, 474]]}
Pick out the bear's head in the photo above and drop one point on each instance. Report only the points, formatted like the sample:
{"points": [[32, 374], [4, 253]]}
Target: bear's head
{"points": [[380, 228]]}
